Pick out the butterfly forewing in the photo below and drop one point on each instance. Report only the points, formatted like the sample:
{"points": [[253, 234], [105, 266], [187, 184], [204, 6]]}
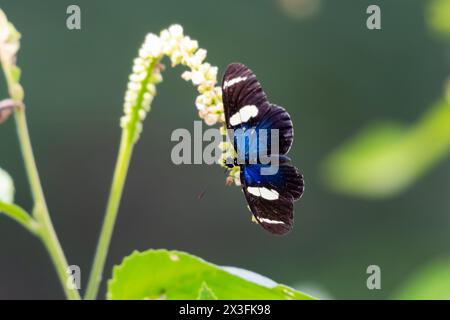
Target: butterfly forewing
{"points": [[277, 118], [246, 106], [244, 100]]}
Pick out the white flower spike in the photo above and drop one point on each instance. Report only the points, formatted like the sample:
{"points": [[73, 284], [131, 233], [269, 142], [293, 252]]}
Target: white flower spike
{"points": [[180, 49]]}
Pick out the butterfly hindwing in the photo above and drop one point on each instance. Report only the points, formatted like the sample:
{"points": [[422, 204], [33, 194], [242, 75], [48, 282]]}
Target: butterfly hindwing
{"points": [[275, 216], [271, 197], [285, 179]]}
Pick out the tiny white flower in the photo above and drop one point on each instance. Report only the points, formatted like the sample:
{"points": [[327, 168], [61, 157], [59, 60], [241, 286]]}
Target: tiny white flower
{"points": [[153, 45], [200, 106], [217, 108], [176, 57], [202, 113], [130, 95], [134, 86], [137, 77], [197, 77], [151, 88], [124, 121], [211, 119], [164, 35], [176, 31], [9, 40], [142, 114], [197, 59], [187, 75], [188, 45], [138, 68], [211, 74], [157, 78]]}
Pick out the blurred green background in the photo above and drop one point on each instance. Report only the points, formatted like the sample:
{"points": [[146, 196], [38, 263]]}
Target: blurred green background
{"points": [[315, 57]]}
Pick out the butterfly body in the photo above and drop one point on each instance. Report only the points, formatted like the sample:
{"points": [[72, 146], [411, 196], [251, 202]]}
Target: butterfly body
{"points": [[262, 134]]}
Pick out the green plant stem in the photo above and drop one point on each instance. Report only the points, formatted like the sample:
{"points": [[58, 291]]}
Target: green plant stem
{"points": [[41, 225], [120, 174], [40, 211], [129, 138]]}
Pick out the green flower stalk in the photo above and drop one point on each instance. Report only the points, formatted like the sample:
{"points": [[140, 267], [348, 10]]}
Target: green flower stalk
{"points": [[141, 90]]}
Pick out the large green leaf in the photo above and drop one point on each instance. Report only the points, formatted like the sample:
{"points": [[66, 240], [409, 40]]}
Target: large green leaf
{"points": [[430, 282], [163, 274], [6, 187]]}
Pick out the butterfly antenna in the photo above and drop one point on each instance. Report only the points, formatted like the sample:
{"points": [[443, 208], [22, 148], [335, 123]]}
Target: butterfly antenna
{"points": [[201, 194]]}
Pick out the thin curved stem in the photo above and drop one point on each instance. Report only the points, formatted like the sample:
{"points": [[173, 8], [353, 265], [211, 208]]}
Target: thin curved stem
{"points": [[120, 174], [44, 228], [40, 211], [128, 140]]}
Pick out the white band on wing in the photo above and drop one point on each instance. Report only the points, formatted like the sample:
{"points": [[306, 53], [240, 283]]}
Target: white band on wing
{"points": [[263, 193], [270, 221], [233, 81], [243, 115]]}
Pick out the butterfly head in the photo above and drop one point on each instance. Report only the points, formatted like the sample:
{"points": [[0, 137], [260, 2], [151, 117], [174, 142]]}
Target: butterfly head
{"points": [[231, 163]]}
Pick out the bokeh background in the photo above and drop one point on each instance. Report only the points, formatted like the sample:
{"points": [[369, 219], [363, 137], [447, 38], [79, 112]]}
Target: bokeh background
{"points": [[315, 57]]}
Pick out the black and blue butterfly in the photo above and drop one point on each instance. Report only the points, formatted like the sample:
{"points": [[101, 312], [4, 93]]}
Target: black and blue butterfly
{"points": [[270, 196]]}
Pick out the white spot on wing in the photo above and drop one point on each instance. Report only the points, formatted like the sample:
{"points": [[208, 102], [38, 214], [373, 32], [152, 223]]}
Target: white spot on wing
{"points": [[233, 81], [268, 194], [248, 112], [254, 191], [263, 192], [235, 119], [270, 221], [244, 114]]}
